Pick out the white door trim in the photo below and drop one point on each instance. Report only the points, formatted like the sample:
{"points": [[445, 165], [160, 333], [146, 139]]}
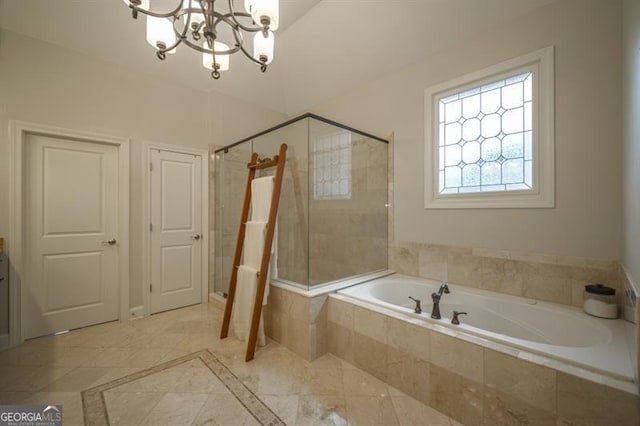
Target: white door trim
{"points": [[18, 130], [146, 218]]}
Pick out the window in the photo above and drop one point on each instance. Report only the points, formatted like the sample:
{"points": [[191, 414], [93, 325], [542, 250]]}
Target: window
{"points": [[489, 137], [332, 166]]}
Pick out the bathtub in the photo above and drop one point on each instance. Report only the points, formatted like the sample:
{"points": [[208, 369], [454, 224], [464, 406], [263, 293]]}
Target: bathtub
{"points": [[551, 330]]}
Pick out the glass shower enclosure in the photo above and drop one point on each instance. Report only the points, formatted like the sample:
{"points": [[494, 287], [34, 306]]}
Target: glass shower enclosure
{"points": [[333, 213]]}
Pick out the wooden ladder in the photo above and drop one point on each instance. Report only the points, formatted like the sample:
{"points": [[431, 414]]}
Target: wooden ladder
{"points": [[278, 162]]}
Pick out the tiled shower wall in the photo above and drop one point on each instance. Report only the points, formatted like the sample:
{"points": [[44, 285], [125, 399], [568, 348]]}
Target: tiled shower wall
{"points": [[318, 240], [293, 218], [348, 236], [328, 239]]}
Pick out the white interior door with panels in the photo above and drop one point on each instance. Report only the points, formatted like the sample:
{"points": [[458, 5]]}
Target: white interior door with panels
{"points": [[71, 196], [177, 243]]}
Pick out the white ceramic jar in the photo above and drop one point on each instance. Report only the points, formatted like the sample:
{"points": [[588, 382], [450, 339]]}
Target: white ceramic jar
{"points": [[600, 301]]}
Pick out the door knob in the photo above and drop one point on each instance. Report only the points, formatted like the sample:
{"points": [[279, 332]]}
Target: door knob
{"points": [[111, 242], [196, 237]]}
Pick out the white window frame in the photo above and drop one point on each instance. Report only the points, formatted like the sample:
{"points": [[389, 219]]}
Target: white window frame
{"points": [[542, 195]]}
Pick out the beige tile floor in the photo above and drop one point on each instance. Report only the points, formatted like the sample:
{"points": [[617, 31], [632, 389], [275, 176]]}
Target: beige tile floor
{"points": [[54, 370]]}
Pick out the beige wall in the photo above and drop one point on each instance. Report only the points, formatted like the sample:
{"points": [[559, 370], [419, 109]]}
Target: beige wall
{"points": [[631, 166], [587, 218], [45, 84]]}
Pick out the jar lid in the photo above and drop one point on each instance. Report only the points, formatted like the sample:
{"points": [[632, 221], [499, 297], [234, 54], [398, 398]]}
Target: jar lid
{"points": [[600, 289]]}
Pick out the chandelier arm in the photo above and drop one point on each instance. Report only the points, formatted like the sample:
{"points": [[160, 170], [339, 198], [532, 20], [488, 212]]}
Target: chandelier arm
{"points": [[161, 51], [195, 30], [188, 12], [157, 14], [187, 24], [233, 14], [200, 26], [229, 17], [180, 37], [263, 66], [199, 48], [237, 34]]}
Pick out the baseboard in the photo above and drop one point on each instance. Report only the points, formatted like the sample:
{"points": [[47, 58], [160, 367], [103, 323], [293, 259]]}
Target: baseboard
{"points": [[217, 299], [136, 313], [4, 341]]}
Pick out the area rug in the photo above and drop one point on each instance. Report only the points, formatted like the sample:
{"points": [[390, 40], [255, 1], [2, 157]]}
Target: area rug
{"points": [[95, 406]]}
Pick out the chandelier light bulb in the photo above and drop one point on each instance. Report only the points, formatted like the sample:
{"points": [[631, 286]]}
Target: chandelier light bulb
{"points": [[263, 47], [160, 32], [221, 60], [265, 9]]}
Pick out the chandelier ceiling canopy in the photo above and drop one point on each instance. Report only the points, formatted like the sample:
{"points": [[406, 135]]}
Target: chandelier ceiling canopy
{"points": [[217, 31]]}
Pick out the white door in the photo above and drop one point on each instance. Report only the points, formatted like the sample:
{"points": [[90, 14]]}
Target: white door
{"points": [[176, 230], [71, 201]]}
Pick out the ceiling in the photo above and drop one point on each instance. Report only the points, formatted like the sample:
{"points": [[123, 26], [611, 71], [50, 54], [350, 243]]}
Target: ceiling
{"points": [[323, 47]]}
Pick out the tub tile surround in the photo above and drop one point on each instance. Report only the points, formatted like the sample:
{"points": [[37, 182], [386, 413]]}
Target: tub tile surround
{"points": [[297, 322], [631, 312], [474, 381], [558, 279]]}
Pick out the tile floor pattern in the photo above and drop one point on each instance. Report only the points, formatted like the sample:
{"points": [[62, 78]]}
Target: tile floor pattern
{"points": [[204, 373], [56, 369]]}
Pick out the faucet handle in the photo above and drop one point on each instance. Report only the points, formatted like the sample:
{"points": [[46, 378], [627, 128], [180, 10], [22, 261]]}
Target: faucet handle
{"points": [[418, 309], [455, 319]]}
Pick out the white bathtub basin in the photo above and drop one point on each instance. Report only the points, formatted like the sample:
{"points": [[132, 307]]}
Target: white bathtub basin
{"points": [[557, 331]]}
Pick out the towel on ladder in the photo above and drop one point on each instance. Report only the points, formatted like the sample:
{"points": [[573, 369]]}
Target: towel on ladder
{"points": [[254, 240], [254, 237], [247, 285], [261, 193]]}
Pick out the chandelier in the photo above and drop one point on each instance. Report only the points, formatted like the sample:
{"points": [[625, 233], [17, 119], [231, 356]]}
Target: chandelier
{"points": [[215, 32]]}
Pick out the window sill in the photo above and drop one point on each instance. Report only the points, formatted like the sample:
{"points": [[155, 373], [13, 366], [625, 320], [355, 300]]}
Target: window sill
{"points": [[500, 200]]}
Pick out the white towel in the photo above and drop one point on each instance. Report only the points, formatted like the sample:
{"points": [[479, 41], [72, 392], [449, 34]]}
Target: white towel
{"points": [[273, 265], [254, 237], [245, 297], [261, 192]]}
